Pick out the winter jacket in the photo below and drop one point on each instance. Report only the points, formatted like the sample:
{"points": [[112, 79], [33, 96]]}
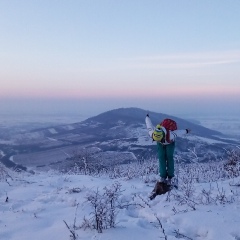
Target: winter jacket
{"points": [[173, 134]]}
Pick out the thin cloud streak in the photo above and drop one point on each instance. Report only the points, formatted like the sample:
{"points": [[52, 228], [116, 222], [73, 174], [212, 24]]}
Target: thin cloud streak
{"points": [[179, 61], [191, 60]]}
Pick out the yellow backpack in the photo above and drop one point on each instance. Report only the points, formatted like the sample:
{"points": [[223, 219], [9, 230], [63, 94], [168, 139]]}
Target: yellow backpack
{"points": [[158, 134]]}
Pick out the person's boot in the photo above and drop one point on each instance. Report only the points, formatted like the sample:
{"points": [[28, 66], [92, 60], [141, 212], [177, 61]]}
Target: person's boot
{"points": [[169, 181], [163, 180]]}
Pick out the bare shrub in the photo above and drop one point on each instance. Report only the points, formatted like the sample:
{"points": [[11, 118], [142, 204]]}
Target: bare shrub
{"points": [[206, 196], [221, 196], [74, 190], [72, 229], [105, 207], [232, 166], [4, 173], [187, 185], [144, 170], [180, 235], [82, 162], [161, 226]]}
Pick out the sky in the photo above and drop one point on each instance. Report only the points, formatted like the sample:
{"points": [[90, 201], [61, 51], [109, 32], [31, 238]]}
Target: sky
{"points": [[176, 57]]}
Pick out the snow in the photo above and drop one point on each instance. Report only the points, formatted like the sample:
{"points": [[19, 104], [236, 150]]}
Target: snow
{"points": [[52, 130], [52, 139], [10, 142], [203, 139], [69, 127], [2, 154], [39, 204]]}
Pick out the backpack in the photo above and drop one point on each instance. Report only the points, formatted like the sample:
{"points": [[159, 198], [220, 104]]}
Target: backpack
{"points": [[158, 134], [169, 125]]}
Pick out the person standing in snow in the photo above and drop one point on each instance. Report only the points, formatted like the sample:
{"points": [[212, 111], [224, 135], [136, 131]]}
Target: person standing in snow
{"points": [[165, 139]]}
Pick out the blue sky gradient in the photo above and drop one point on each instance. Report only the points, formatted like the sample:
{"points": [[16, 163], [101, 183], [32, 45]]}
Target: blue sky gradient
{"points": [[104, 54]]}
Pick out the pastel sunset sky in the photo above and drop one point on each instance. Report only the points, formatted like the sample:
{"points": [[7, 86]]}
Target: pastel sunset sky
{"points": [[174, 56]]}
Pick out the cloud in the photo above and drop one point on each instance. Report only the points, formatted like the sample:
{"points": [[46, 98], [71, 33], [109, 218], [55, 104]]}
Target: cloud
{"points": [[191, 60]]}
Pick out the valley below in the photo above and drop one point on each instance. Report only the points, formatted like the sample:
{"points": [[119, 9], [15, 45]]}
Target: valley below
{"points": [[115, 137]]}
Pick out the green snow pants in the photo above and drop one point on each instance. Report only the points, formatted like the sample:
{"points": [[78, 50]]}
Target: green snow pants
{"points": [[166, 162]]}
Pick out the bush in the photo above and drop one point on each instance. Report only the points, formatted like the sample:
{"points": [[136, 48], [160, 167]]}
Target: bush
{"points": [[4, 173], [105, 207], [232, 166]]}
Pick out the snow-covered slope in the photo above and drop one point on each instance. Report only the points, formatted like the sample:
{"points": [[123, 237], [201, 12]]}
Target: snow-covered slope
{"points": [[53, 206]]}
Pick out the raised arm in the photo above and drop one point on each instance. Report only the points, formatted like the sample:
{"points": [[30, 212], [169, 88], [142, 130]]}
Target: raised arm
{"points": [[149, 125], [178, 133]]}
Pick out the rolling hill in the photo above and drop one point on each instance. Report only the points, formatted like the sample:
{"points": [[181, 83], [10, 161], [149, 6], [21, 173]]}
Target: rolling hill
{"points": [[119, 134]]}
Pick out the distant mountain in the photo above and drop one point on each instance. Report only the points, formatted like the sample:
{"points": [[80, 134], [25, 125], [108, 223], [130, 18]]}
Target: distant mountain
{"points": [[118, 134], [137, 116]]}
